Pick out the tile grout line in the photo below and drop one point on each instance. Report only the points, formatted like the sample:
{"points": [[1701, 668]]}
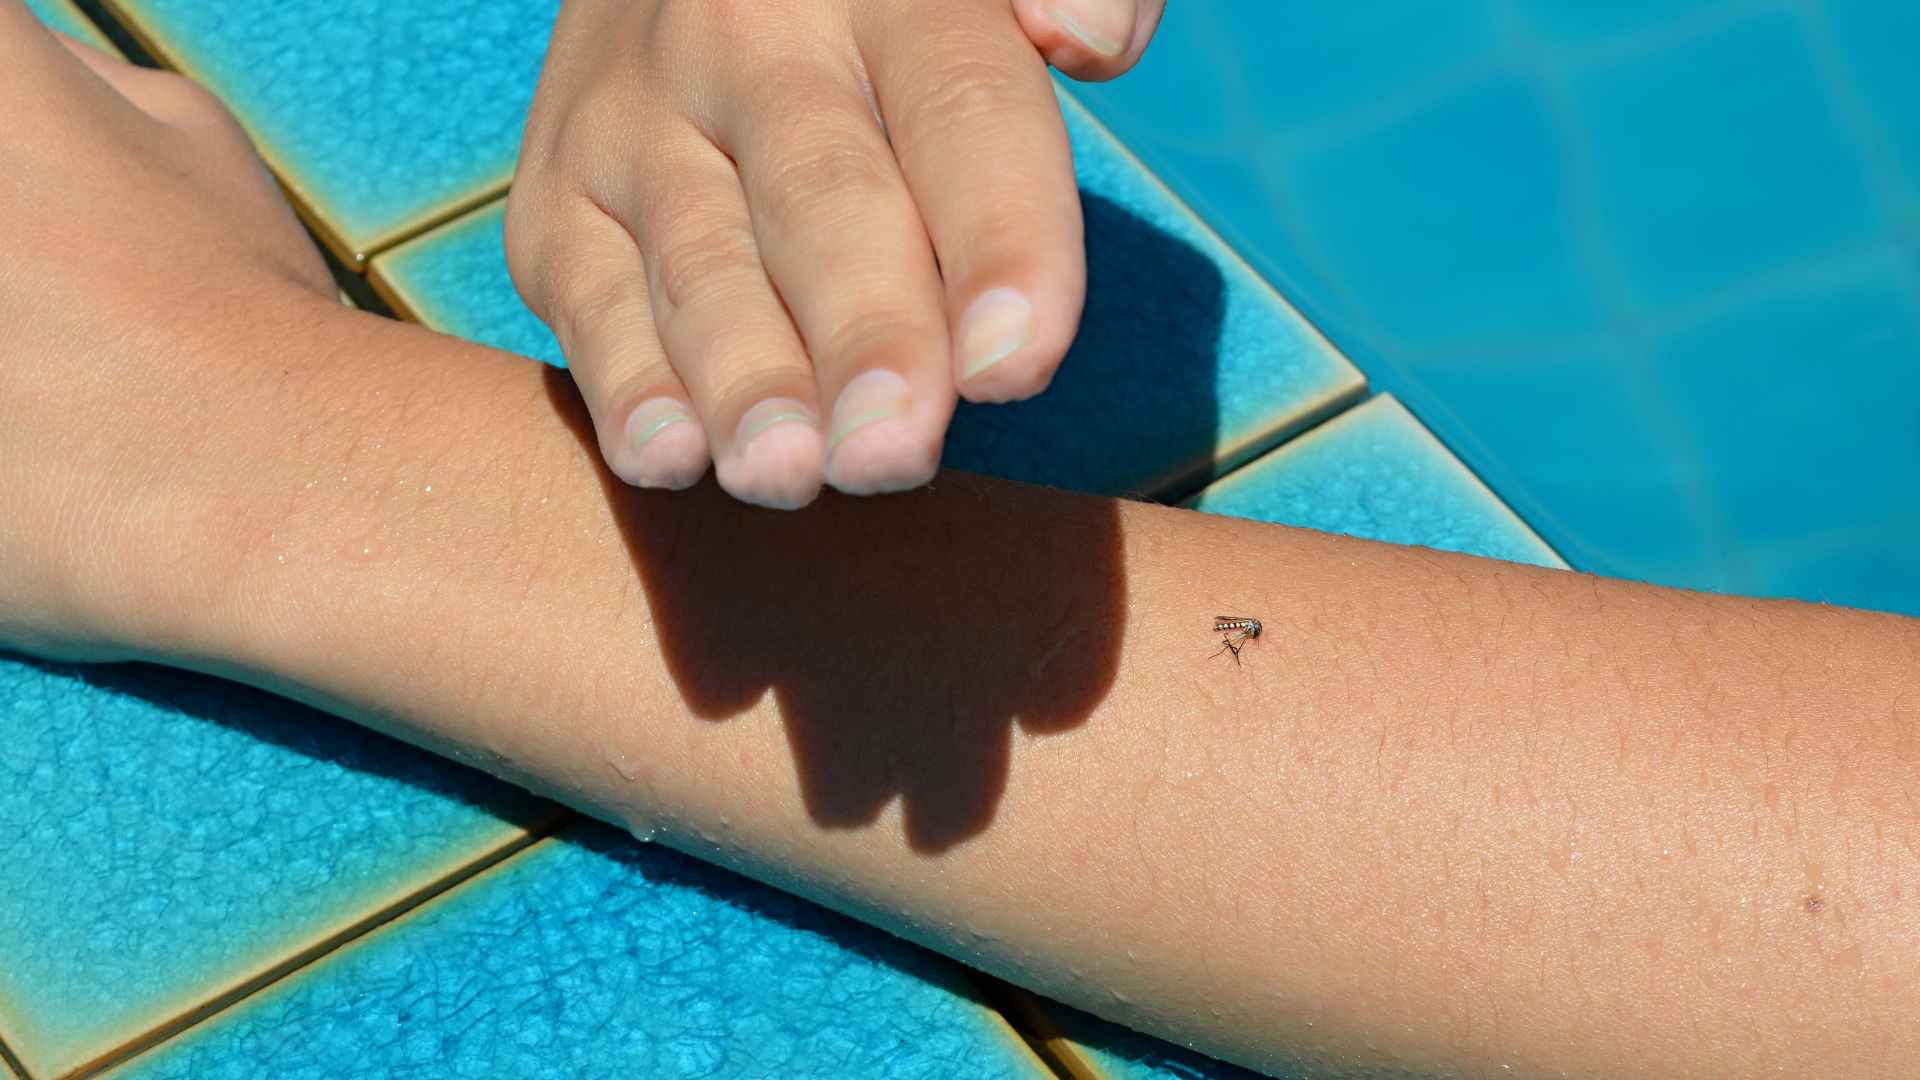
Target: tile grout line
{"points": [[333, 239], [319, 950], [11, 1060], [1024, 1011]]}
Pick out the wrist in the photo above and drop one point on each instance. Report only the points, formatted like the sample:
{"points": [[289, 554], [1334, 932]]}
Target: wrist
{"points": [[176, 574]]}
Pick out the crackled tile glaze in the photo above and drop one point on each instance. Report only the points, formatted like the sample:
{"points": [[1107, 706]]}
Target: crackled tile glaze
{"points": [[594, 955], [1375, 472], [165, 836], [379, 116]]}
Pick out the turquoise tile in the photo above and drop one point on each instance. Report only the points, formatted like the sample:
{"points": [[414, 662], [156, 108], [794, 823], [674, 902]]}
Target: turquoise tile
{"points": [[64, 17], [1698, 188], [1874, 43], [1811, 352], [454, 279], [592, 955], [1617, 24], [1186, 363], [1685, 158], [1222, 57], [166, 836], [1543, 423], [1375, 472], [1486, 160], [378, 115]]}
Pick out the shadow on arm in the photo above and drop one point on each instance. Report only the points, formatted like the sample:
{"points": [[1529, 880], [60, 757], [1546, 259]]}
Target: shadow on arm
{"points": [[902, 637]]}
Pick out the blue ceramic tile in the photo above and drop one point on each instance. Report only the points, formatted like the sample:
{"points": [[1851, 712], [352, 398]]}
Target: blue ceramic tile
{"points": [[1874, 43], [1699, 188], [1486, 160], [378, 115], [1542, 424], [1821, 339], [454, 279], [64, 17], [166, 836], [1186, 362], [1678, 158], [1618, 24], [1375, 472], [591, 955]]}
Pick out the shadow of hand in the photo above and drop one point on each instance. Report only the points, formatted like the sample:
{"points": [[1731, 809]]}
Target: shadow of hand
{"points": [[902, 636]]}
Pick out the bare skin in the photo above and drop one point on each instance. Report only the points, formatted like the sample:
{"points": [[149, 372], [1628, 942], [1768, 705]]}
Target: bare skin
{"points": [[1450, 816], [783, 235]]}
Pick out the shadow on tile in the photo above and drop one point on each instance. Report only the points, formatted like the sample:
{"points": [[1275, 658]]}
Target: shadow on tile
{"points": [[1149, 348], [167, 838], [311, 733], [591, 955]]}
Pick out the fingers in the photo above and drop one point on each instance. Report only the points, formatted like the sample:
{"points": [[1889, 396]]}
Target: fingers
{"points": [[971, 113], [595, 299], [842, 241], [722, 323], [1090, 40]]}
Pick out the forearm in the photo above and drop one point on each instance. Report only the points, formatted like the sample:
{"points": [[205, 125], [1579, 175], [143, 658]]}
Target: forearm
{"points": [[1447, 813]]}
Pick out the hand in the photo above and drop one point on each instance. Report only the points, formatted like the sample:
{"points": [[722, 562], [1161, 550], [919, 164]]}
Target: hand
{"points": [[146, 245], [782, 234]]}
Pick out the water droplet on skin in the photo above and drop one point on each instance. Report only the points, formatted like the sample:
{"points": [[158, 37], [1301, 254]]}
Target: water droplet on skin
{"points": [[642, 832]]}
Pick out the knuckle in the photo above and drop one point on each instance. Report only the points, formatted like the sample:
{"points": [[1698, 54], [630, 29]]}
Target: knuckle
{"points": [[737, 389], [877, 334], [962, 92], [522, 239], [597, 305], [827, 176], [697, 261], [533, 215]]}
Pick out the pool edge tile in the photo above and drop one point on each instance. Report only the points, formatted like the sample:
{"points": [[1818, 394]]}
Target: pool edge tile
{"points": [[75, 20], [1236, 448], [952, 976], [1062, 1053], [354, 251], [1366, 411], [166, 1018]]}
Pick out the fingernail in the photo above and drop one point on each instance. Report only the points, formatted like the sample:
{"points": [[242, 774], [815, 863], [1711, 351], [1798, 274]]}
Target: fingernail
{"points": [[868, 398], [998, 324], [771, 414], [651, 419], [1105, 26], [668, 449], [776, 456]]}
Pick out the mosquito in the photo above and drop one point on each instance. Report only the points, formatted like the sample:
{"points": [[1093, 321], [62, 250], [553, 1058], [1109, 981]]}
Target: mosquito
{"points": [[1234, 633]]}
